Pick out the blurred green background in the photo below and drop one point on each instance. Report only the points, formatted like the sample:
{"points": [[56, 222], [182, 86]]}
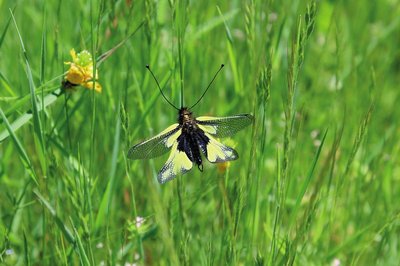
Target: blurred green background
{"points": [[317, 181]]}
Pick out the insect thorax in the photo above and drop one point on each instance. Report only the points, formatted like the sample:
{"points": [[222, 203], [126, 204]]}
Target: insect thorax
{"points": [[185, 116]]}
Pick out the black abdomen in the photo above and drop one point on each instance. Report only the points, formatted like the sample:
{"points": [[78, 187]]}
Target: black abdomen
{"points": [[187, 143]]}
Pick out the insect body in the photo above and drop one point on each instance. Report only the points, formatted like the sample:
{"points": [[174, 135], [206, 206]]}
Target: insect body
{"points": [[189, 139]]}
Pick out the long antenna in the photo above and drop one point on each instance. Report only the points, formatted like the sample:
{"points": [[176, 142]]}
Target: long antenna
{"points": [[158, 85], [216, 74]]}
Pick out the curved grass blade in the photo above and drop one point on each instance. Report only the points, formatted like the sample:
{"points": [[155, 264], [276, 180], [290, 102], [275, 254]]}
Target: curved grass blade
{"points": [[36, 119], [20, 148], [3, 35], [6, 85], [23, 119]]}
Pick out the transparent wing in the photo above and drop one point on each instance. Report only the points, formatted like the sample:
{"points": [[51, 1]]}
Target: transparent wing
{"points": [[177, 163], [216, 152], [156, 146], [221, 127]]}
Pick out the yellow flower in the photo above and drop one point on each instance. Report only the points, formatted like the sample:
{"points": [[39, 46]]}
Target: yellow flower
{"points": [[80, 72], [222, 167]]}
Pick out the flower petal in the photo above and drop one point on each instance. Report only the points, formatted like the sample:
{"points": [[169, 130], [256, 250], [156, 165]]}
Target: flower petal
{"points": [[89, 85], [75, 75], [73, 54]]}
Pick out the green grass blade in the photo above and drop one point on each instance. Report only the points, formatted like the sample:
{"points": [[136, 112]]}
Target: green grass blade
{"points": [[360, 136], [6, 84], [27, 259], [209, 25], [108, 53], [23, 155], [23, 119], [43, 48], [59, 222], [232, 56], [81, 250], [3, 35], [104, 209], [35, 113], [307, 182]]}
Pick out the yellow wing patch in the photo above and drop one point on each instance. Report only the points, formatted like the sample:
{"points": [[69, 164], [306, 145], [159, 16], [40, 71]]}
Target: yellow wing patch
{"points": [[218, 152], [208, 128], [170, 141], [177, 163]]}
